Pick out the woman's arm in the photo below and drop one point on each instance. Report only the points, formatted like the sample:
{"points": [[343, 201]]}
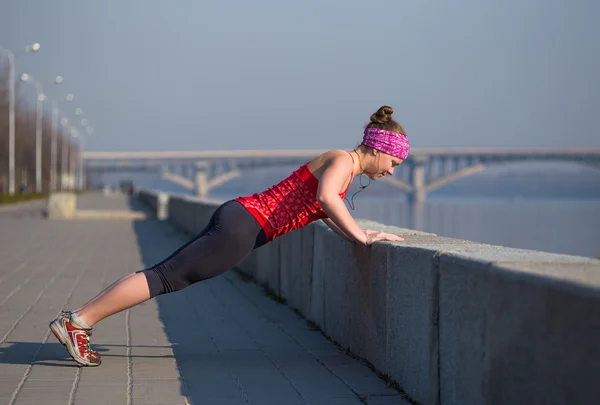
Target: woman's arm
{"points": [[336, 172], [333, 177], [336, 228]]}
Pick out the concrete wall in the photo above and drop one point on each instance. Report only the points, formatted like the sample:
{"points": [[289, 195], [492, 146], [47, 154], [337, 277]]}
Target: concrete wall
{"points": [[451, 321], [61, 205], [158, 202]]}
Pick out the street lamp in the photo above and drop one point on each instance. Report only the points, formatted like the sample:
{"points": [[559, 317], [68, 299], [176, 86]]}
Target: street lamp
{"points": [[38, 126], [65, 152], [73, 165], [67, 164], [54, 142], [71, 183], [90, 132], [11, 112], [77, 172]]}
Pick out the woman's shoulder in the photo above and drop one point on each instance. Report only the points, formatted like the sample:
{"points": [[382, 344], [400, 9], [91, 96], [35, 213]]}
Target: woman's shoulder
{"points": [[336, 152], [335, 158], [334, 155]]}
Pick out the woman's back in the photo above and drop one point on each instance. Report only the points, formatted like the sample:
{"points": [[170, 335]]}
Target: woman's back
{"points": [[292, 203]]}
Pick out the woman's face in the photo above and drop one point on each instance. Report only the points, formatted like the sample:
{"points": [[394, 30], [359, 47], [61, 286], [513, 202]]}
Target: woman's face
{"points": [[383, 165]]}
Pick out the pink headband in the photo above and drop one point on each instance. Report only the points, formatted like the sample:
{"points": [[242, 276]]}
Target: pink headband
{"points": [[389, 142]]}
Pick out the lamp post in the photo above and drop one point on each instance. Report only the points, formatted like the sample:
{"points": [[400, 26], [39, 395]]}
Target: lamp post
{"points": [[76, 162], [11, 112], [90, 132], [74, 133], [67, 151], [72, 161], [87, 128], [54, 142], [38, 126]]}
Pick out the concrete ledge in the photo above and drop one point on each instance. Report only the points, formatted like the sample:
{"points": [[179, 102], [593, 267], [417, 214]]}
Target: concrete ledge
{"points": [[296, 254], [351, 279], [451, 321], [519, 332], [157, 201], [110, 214], [61, 205], [181, 213], [412, 316]]}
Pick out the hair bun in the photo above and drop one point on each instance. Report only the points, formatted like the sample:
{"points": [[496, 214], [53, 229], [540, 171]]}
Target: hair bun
{"points": [[384, 114]]}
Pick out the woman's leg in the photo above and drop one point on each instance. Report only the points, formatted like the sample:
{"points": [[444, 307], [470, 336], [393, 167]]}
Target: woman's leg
{"points": [[122, 294], [229, 237], [126, 292]]}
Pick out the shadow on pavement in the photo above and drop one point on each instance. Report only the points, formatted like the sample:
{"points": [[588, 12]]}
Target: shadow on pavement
{"points": [[209, 375], [54, 353], [191, 352]]}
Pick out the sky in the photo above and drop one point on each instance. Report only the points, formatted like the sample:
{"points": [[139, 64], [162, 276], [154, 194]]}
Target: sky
{"points": [[271, 74]]}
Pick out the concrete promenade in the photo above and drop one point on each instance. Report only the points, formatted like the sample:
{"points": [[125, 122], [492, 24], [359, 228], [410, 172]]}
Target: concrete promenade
{"points": [[220, 342]]}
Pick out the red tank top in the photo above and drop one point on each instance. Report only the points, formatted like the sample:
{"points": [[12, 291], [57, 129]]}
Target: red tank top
{"points": [[288, 205]]}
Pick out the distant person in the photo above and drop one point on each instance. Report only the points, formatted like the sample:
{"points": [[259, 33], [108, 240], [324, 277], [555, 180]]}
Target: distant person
{"points": [[314, 191]]}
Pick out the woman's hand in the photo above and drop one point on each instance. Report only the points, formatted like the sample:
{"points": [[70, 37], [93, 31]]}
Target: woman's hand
{"points": [[374, 236]]}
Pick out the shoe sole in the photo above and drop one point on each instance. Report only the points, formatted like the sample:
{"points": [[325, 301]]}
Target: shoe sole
{"points": [[58, 333]]}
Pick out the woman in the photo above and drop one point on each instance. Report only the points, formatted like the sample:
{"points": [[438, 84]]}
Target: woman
{"points": [[315, 191]]}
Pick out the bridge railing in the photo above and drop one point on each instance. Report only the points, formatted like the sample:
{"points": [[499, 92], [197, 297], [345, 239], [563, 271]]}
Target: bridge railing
{"points": [[451, 321]]}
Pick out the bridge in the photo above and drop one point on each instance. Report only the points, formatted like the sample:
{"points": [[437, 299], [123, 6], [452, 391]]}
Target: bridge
{"points": [[426, 169]]}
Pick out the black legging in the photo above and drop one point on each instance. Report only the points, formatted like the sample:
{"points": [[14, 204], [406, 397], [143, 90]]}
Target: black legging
{"points": [[230, 236]]}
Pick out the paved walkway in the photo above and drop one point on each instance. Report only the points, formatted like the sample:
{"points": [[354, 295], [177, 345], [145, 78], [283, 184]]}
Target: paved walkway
{"points": [[220, 342]]}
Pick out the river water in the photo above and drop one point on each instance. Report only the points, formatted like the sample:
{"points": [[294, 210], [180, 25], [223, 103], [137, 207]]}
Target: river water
{"points": [[519, 207]]}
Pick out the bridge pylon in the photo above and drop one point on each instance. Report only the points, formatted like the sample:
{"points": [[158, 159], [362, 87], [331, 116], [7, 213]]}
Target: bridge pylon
{"points": [[201, 180], [418, 192]]}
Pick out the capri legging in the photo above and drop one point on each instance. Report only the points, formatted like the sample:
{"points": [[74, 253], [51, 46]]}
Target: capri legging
{"points": [[231, 235]]}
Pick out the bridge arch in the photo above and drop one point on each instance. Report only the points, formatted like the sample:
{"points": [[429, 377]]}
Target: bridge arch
{"points": [[478, 167], [417, 176]]}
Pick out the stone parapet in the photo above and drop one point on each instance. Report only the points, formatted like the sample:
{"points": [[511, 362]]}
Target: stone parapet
{"points": [[451, 321]]}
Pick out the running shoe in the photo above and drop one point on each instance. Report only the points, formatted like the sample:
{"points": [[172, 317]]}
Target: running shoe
{"points": [[75, 339]]}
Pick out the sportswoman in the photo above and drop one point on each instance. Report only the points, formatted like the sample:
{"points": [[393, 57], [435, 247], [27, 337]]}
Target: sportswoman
{"points": [[314, 191]]}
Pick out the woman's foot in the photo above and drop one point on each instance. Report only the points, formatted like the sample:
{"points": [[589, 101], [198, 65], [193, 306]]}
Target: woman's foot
{"points": [[75, 339]]}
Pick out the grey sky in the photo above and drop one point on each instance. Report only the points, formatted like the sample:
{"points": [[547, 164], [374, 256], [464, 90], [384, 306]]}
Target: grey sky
{"points": [[267, 74]]}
